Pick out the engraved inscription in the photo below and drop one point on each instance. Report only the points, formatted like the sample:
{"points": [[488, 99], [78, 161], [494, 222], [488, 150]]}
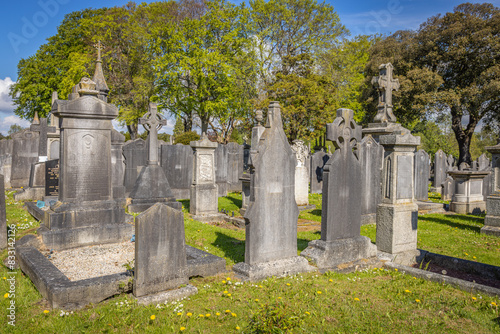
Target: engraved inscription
{"points": [[206, 169], [404, 177]]}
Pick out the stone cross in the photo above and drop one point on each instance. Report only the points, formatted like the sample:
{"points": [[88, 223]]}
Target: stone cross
{"points": [[344, 132], [385, 84], [99, 47], [43, 129], [153, 122]]}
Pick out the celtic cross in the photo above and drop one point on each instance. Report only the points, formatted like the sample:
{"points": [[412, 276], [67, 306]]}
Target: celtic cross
{"points": [[153, 122], [385, 84]]}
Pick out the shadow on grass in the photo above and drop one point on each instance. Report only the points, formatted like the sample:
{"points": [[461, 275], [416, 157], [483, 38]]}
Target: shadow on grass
{"points": [[315, 212], [302, 244], [453, 223], [236, 201], [185, 203], [233, 248]]}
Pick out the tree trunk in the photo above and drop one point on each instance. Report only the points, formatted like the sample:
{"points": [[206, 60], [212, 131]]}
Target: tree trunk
{"points": [[188, 123], [463, 137], [132, 129]]}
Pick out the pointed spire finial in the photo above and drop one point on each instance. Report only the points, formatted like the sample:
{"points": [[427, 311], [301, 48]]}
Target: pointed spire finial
{"points": [[36, 120], [98, 78], [99, 47]]}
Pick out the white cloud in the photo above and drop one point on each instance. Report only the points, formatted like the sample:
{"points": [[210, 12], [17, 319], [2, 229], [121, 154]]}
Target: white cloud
{"points": [[5, 100]]}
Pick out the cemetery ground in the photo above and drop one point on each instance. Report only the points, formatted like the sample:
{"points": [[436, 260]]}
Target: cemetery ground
{"points": [[374, 300]]}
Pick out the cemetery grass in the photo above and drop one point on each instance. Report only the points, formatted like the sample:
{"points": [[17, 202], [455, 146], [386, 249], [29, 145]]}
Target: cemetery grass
{"points": [[372, 301]]}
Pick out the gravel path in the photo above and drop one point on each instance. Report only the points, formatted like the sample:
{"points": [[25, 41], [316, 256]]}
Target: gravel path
{"points": [[93, 261]]}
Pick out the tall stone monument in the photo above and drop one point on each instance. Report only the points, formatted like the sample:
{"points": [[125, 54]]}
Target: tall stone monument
{"points": [[152, 185], [86, 212], [53, 138], [271, 217], [468, 191], [441, 167], [492, 219], [204, 193], [341, 241], [301, 173]]}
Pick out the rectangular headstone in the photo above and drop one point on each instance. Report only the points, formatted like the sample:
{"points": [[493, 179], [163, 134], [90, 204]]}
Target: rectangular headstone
{"points": [[371, 156], [318, 161], [422, 171], [6, 146], [235, 166], [160, 250], [221, 169], [440, 169], [177, 163], [52, 178], [24, 153], [136, 154]]}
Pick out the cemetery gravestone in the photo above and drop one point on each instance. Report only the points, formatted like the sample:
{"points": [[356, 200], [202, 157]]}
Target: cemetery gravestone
{"points": [[341, 241], [447, 189], [24, 154], [221, 170], [318, 161], [117, 164], [301, 173], [468, 195], [52, 178], [177, 164], [135, 153], [6, 146], [371, 157], [234, 166], [271, 217], [86, 212], [492, 219], [160, 256], [422, 171], [152, 185], [440, 169]]}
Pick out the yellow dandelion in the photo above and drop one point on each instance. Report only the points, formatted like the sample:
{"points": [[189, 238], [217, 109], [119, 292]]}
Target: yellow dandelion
{"points": [[417, 300], [4, 277], [153, 317], [466, 254], [473, 257], [493, 304], [330, 280], [237, 328], [307, 313], [217, 314], [396, 269], [257, 300], [229, 295], [179, 313], [233, 314], [279, 297], [182, 329], [414, 277], [318, 292], [228, 278], [407, 291], [201, 315], [474, 298], [46, 311], [207, 315], [223, 282], [356, 299], [288, 284], [225, 291], [260, 286], [189, 314], [6, 295], [228, 311], [375, 268]]}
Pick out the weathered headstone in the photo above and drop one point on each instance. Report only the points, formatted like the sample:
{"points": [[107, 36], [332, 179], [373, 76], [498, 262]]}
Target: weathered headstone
{"points": [[483, 162], [318, 161], [397, 215], [86, 212], [447, 189], [24, 154], [271, 217], [245, 179], [117, 164], [492, 219], [234, 166], [135, 153], [152, 185], [341, 241], [301, 173], [468, 195], [3, 215], [422, 172], [371, 156], [43, 130], [221, 170], [440, 169], [450, 161], [160, 256], [53, 138], [177, 163], [6, 146], [203, 198]]}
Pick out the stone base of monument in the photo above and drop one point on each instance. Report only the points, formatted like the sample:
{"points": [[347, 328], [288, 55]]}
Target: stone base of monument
{"points": [[36, 212], [208, 218], [474, 208], [141, 205], [283, 267], [306, 207], [151, 187], [397, 227], [63, 293], [166, 296], [30, 194], [425, 207], [70, 225], [380, 129], [407, 258], [329, 255]]}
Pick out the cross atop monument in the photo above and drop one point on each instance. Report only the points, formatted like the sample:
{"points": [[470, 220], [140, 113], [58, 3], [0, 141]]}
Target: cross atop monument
{"points": [[43, 129], [99, 47], [385, 83], [152, 122]]}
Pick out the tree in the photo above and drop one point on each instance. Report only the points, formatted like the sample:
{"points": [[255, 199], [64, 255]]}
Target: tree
{"points": [[178, 127], [14, 128], [204, 67], [450, 65], [290, 36]]}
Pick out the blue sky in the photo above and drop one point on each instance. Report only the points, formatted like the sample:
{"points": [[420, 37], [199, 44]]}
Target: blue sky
{"points": [[26, 24]]}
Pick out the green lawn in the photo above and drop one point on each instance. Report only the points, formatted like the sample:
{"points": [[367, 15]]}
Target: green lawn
{"points": [[371, 301]]}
